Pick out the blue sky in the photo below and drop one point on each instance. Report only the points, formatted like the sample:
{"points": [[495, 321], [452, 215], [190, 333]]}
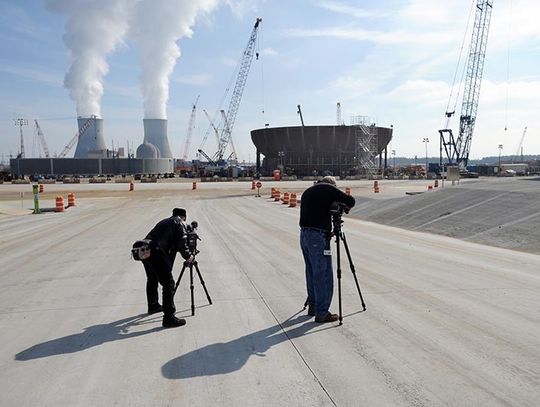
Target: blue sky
{"points": [[392, 60]]}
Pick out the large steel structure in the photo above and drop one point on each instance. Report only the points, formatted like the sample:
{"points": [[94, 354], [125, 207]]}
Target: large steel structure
{"points": [[309, 150], [457, 148]]}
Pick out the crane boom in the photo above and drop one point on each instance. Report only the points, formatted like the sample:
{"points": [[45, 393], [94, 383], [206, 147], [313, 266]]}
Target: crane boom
{"points": [[190, 129], [300, 113], [457, 149], [227, 129], [41, 139], [520, 146], [75, 138], [245, 65]]}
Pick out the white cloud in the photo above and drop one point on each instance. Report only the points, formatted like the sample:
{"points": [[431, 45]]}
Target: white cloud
{"points": [[269, 51], [229, 62], [203, 79], [344, 8], [241, 7]]}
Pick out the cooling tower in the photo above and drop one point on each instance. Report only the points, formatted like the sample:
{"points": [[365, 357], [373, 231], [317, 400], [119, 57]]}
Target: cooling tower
{"points": [[155, 132], [91, 141]]}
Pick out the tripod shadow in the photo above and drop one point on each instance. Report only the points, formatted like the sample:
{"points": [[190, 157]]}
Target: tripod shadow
{"points": [[227, 357], [91, 336]]}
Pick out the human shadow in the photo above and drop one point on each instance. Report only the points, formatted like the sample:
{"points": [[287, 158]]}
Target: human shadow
{"points": [[91, 336], [226, 357]]}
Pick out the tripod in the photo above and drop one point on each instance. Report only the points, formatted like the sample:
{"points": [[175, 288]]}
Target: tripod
{"points": [[190, 265], [340, 237]]}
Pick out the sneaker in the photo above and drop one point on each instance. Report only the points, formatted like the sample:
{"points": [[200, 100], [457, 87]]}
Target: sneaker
{"points": [[153, 309], [173, 322], [327, 318], [311, 310]]}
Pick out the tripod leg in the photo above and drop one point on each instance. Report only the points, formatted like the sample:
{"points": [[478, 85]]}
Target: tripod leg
{"points": [[338, 272], [202, 282], [191, 288], [352, 269], [179, 278]]}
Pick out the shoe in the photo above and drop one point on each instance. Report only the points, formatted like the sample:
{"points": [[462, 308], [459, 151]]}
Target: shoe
{"points": [[153, 309], [311, 310], [327, 318], [173, 322]]}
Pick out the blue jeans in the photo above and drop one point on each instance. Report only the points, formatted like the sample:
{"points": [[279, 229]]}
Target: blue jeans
{"points": [[319, 277]]}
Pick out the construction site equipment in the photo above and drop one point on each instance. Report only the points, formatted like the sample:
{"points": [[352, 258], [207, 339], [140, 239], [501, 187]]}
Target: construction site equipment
{"points": [[76, 137], [292, 200], [59, 204], [71, 199], [366, 146], [520, 146], [245, 65], [299, 112], [41, 139], [21, 122], [191, 125], [457, 148]]}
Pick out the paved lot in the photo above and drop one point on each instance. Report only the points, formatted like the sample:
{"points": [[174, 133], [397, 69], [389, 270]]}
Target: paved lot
{"points": [[448, 322]]}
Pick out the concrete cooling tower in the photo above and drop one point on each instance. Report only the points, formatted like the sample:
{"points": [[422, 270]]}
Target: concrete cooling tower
{"points": [[155, 133], [91, 142]]}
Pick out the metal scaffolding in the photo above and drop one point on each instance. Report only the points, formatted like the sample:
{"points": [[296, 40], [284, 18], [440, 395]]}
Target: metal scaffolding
{"points": [[366, 146]]}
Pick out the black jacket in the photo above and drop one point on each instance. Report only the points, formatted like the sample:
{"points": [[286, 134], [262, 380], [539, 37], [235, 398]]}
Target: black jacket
{"points": [[316, 202], [170, 236]]}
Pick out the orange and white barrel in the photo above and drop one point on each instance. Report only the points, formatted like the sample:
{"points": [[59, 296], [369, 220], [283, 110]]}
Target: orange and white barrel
{"points": [[59, 204], [71, 199]]}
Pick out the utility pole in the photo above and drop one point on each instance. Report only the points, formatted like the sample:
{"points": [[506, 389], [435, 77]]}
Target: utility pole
{"points": [[426, 140], [394, 155], [500, 149], [21, 122]]}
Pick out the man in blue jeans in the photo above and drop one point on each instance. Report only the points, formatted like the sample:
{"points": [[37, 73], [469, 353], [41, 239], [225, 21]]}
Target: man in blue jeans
{"points": [[315, 234]]}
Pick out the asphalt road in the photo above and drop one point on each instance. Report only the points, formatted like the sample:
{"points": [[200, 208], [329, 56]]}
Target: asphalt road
{"points": [[448, 322]]}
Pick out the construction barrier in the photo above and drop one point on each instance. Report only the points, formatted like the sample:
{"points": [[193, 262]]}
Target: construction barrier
{"points": [[194, 185], [436, 183], [41, 188], [59, 204], [376, 187], [348, 190], [292, 201], [277, 195], [71, 199], [131, 186], [252, 184], [286, 198], [273, 193]]}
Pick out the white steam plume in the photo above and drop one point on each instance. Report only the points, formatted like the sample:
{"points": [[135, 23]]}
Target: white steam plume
{"points": [[155, 28], [93, 30]]}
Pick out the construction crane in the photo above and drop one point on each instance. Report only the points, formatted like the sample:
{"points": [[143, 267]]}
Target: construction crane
{"points": [[245, 65], [41, 139], [190, 129], [75, 138], [216, 131], [207, 157], [227, 129], [457, 148], [520, 146], [300, 113], [21, 122]]}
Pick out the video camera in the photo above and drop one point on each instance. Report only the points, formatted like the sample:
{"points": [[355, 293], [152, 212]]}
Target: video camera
{"points": [[192, 237], [337, 209]]}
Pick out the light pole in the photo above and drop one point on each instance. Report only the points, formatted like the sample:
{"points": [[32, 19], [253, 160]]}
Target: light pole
{"points": [[499, 170], [394, 159], [281, 154], [426, 140], [21, 122]]}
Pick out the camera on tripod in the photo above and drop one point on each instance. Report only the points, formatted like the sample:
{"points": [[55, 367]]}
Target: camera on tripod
{"points": [[337, 209], [192, 237]]}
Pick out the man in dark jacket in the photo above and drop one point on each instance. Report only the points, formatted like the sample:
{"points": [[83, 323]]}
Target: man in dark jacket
{"points": [[168, 237], [315, 234]]}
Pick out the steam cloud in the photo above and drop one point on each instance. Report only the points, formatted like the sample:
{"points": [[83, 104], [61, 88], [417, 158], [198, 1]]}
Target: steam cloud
{"points": [[156, 26], [93, 30]]}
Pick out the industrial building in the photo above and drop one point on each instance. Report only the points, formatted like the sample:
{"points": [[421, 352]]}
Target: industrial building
{"points": [[317, 150], [93, 158]]}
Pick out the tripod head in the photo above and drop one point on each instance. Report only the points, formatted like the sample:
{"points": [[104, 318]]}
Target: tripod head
{"points": [[337, 209]]}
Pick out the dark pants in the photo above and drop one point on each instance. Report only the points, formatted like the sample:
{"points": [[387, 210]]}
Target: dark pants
{"points": [[319, 276], [158, 269]]}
